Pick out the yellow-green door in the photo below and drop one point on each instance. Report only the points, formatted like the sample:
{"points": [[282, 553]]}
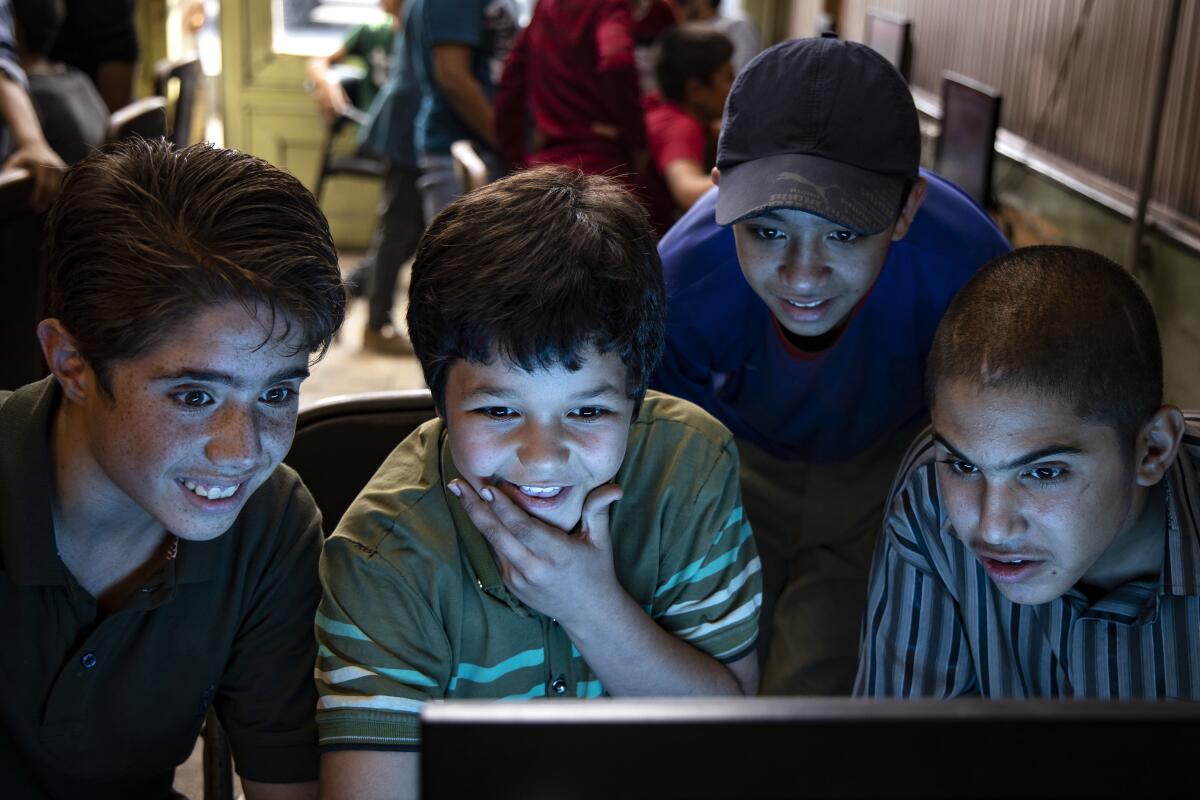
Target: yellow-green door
{"points": [[267, 112]]}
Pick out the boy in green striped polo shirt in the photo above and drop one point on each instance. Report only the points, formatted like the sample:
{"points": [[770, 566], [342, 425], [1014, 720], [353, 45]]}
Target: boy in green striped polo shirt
{"points": [[557, 531]]}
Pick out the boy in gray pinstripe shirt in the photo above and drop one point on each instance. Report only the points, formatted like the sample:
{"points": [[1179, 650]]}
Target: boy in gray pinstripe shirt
{"points": [[1043, 535]]}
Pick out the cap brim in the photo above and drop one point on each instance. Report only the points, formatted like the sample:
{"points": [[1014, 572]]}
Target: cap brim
{"points": [[863, 201]]}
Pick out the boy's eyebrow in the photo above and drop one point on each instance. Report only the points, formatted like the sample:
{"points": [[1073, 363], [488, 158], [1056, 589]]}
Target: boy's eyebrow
{"points": [[498, 392], [767, 215], [596, 391], [1019, 461], [502, 393], [226, 379]]}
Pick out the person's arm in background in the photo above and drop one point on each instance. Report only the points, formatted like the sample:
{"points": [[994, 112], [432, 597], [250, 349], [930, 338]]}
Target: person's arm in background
{"points": [[327, 90], [452, 73], [511, 114], [30, 150], [370, 775], [677, 143], [687, 180], [616, 74]]}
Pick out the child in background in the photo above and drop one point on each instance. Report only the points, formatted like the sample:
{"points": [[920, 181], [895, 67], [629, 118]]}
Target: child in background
{"points": [[694, 74]]}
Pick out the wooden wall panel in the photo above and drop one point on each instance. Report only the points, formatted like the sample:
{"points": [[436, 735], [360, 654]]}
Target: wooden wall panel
{"points": [[1098, 116]]}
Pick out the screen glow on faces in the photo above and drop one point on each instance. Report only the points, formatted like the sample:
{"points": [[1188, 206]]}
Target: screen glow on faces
{"points": [[545, 438], [197, 424], [809, 271], [1041, 497]]}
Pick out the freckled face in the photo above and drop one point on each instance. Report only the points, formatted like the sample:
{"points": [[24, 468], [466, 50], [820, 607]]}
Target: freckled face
{"points": [[545, 438], [208, 412], [809, 271], [1036, 493]]}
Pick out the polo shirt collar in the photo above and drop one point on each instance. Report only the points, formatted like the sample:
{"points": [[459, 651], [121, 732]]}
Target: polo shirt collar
{"points": [[479, 553], [26, 525]]}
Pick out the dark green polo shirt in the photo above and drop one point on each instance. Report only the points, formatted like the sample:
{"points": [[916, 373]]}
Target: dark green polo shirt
{"points": [[94, 706]]}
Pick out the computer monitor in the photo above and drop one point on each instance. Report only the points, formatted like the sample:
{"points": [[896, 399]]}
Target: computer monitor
{"points": [[966, 149], [798, 747], [890, 36]]}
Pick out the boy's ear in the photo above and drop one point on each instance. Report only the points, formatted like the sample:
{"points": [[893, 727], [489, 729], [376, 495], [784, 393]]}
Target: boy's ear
{"points": [[716, 177], [916, 195], [1157, 444], [68, 365]]}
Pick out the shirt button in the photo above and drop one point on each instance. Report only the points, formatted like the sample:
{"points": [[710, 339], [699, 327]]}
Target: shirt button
{"points": [[88, 660], [559, 686]]}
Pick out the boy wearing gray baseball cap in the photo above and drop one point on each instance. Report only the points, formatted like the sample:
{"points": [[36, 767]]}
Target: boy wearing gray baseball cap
{"points": [[803, 294]]}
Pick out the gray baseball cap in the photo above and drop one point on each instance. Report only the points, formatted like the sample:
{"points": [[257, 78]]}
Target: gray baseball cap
{"points": [[821, 125]]}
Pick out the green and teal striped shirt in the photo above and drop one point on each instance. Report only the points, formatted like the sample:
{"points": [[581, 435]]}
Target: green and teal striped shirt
{"points": [[414, 607]]}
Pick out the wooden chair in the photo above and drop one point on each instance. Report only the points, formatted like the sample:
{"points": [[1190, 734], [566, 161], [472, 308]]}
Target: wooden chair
{"points": [[966, 147], [341, 441], [186, 72], [146, 118], [21, 235]]}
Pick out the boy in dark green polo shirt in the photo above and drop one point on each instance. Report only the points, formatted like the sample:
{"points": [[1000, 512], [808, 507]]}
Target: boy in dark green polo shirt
{"points": [[556, 532], [155, 557]]}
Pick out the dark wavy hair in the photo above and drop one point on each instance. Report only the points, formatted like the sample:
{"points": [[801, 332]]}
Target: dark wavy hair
{"points": [[142, 236], [535, 269], [1062, 322]]}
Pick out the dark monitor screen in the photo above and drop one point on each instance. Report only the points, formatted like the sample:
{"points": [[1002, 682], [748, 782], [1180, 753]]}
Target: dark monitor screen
{"points": [[967, 144], [888, 35], [800, 747]]}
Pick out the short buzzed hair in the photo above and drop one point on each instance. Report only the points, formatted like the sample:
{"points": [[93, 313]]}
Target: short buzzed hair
{"points": [[1062, 322], [535, 269]]}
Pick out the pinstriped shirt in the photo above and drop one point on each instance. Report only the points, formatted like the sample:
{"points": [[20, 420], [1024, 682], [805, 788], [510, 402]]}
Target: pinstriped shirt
{"points": [[937, 626], [414, 607]]}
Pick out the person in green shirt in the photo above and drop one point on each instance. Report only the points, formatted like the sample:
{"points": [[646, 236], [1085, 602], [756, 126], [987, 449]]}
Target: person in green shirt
{"points": [[369, 43], [557, 531]]}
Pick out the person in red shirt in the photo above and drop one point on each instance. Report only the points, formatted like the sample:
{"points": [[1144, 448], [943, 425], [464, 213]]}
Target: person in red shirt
{"points": [[572, 74], [694, 74]]}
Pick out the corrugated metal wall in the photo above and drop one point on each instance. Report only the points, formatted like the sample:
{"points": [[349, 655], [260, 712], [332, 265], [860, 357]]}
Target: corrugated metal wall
{"points": [[1098, 117]]}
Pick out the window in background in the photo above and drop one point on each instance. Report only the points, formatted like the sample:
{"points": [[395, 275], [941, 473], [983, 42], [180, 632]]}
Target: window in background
{"points": [[317, 27]]}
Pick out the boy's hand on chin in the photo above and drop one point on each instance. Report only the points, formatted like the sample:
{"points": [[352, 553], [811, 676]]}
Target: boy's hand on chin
{"points": [[568, 577]]}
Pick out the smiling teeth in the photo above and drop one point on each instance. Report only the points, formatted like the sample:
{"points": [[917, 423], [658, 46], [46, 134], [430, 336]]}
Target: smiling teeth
{"points": [[212, 492], [812, 304], [540, 491]]}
